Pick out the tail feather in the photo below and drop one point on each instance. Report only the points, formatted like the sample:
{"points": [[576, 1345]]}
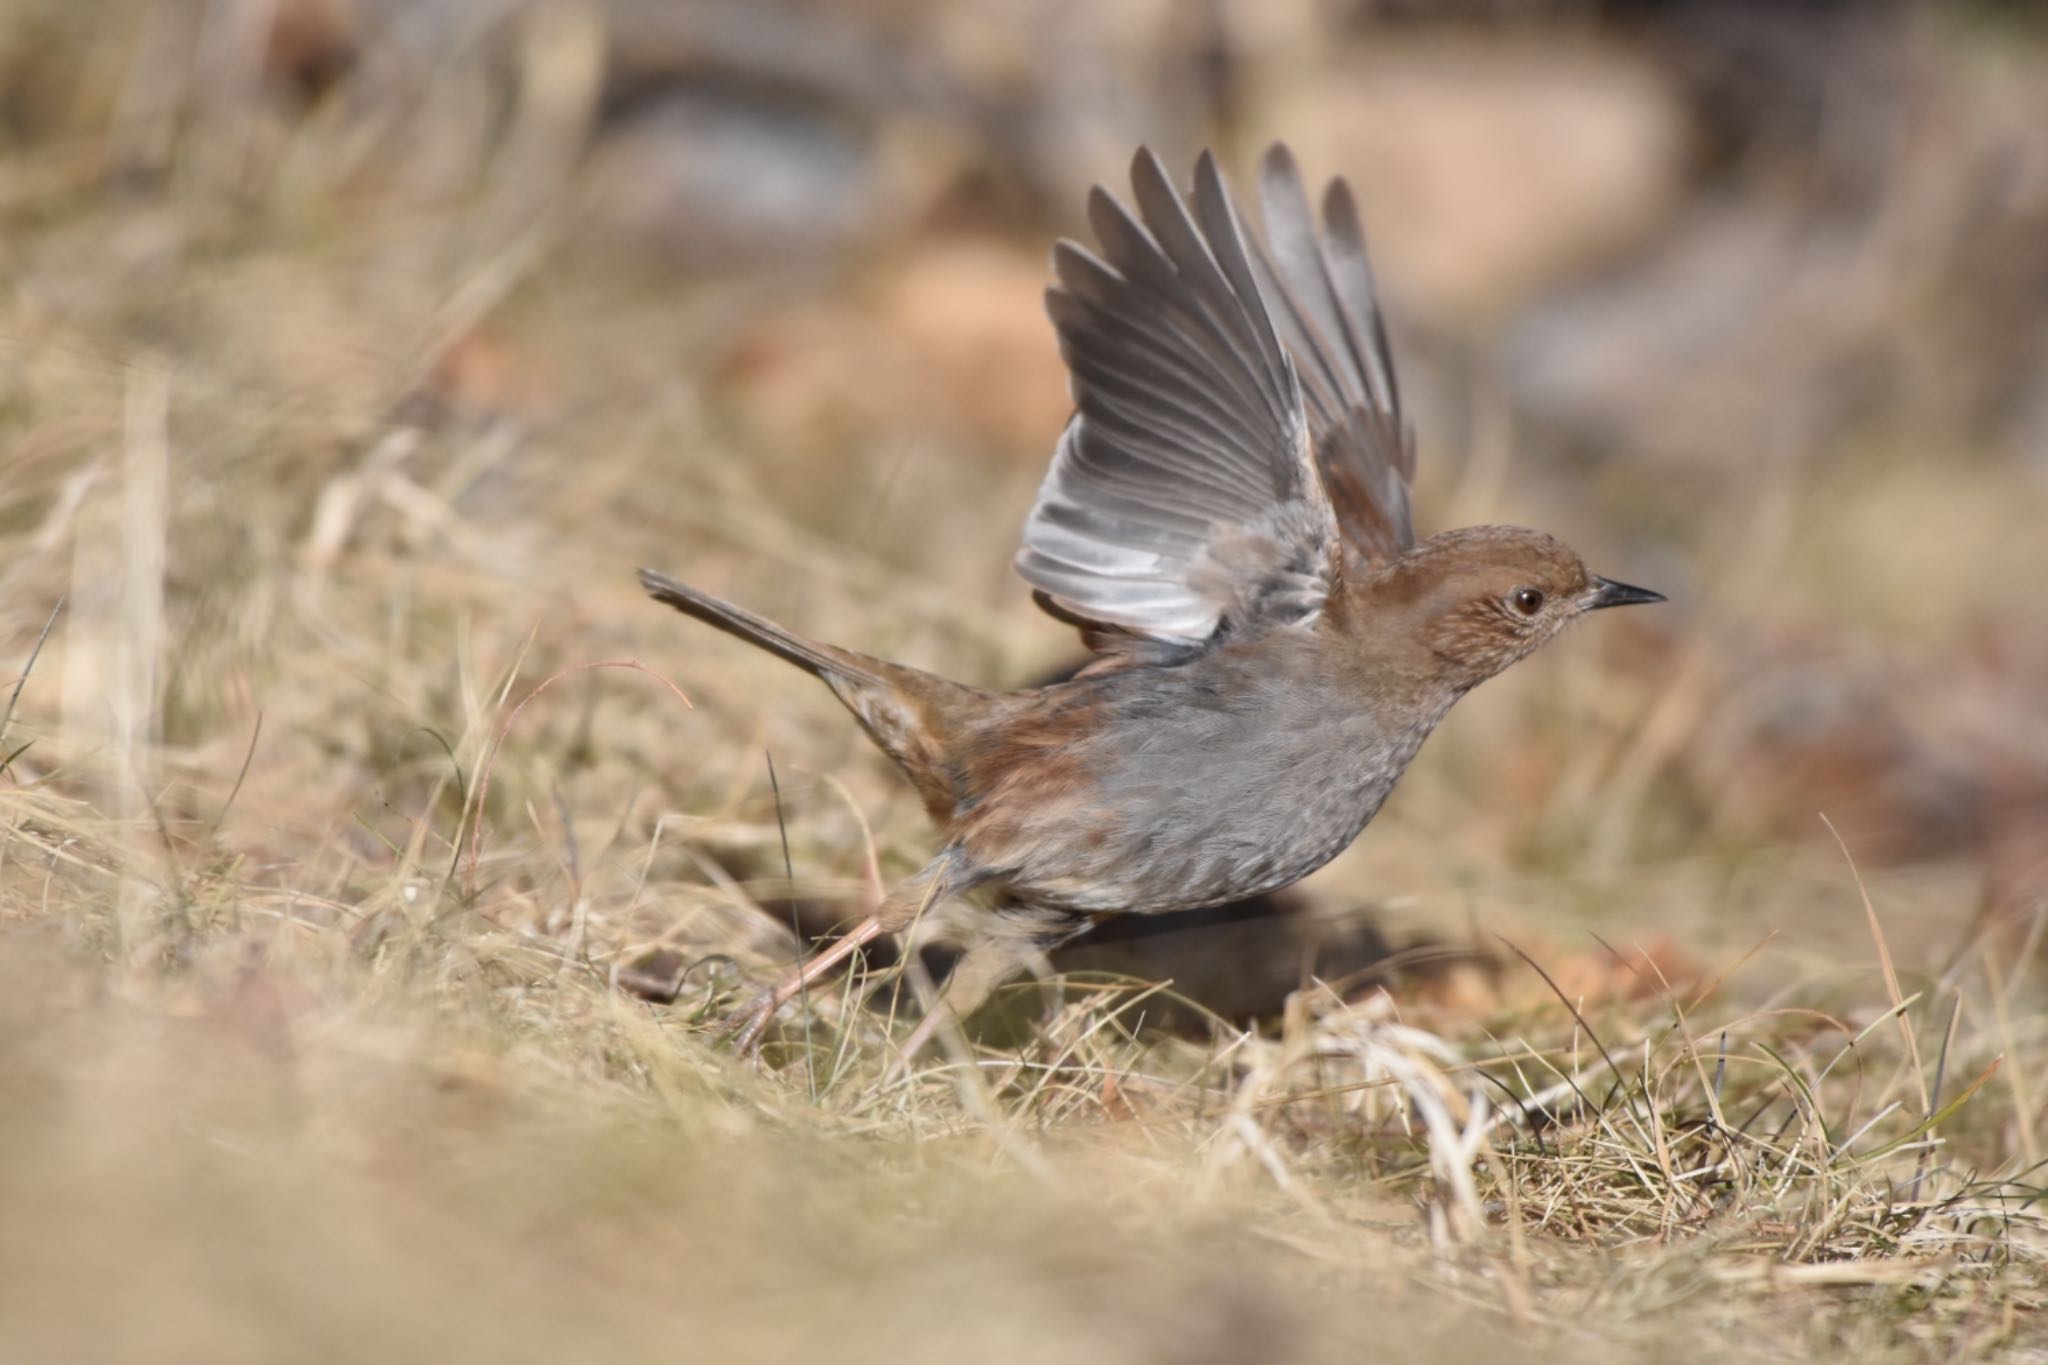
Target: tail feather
{"points": [[826, 662], [911, 715]]}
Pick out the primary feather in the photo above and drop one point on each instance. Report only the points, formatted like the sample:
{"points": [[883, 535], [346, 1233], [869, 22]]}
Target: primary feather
{"points": [[1319, 289]]}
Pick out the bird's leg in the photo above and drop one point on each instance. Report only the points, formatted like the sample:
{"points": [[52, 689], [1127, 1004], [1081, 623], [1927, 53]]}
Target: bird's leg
{"points": [[898, 910], [983, 967], [746, 1023], [1016, 942]]}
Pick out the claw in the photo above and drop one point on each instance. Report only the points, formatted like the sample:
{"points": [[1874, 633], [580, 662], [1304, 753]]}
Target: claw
{"points": [[744, 1026]]}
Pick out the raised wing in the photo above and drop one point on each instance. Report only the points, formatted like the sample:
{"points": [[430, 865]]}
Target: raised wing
{"points": [[1319, 291], [1184, 497]]}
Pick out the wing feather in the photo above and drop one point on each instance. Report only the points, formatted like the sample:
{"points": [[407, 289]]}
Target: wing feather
{"points": [[1319, 289], [1238, 439], [1184, 496]]}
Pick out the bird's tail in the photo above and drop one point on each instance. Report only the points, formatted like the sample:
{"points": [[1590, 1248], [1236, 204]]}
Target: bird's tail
{"points": [[822, 660], [913, 716]]}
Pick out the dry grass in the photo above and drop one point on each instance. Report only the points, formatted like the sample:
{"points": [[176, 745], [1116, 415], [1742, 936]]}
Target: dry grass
{"points": [[329, 472]]}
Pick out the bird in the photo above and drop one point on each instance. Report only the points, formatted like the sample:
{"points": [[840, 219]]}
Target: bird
{"points": [[1227, 521]]}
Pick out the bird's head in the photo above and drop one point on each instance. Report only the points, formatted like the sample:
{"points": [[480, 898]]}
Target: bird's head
{"points": [[1475, 600]]}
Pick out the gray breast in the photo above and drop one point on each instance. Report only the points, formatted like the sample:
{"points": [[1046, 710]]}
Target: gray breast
{"points": [[1222, 791]]}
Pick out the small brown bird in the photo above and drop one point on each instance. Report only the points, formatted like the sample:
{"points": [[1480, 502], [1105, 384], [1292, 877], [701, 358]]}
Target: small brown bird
{"points": [[1227, 521]]}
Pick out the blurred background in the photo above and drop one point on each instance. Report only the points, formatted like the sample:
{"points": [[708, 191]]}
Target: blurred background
{"points": [[1747, 300], [354, 352]]}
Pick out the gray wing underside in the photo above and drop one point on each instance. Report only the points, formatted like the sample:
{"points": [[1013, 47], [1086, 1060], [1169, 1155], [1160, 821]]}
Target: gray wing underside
{"points": [[1237, 435], [1184, 491]]}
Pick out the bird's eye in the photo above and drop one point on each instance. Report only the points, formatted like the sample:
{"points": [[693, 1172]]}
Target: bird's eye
{"points": [[1528, 601]]}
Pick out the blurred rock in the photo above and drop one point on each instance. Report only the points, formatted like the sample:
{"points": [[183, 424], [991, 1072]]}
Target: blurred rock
{"points": [[1888, 278], [1040, 97], [954, 333], [1644, 360], [655, 975], [1486, 171], [1819, 84], [860, 56], [971, 315], [311, 44], [726, 180]]}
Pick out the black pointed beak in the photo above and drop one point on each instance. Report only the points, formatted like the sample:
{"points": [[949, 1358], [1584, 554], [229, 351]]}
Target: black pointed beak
{"points": [[1608, 593]]}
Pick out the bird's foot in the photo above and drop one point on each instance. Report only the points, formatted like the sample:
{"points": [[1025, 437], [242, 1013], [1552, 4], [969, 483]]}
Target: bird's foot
{"points": [[744, 1026]]}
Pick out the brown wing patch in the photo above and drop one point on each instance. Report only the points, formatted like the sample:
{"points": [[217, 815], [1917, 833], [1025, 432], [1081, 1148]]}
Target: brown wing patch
{"points": [[1031, 777]]}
